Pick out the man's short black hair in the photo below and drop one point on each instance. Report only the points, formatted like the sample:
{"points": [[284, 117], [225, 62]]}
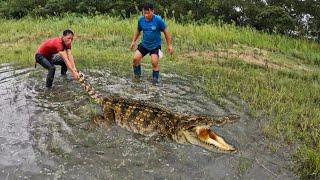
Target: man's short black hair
{"points": [[66, 32], [148, 6]]}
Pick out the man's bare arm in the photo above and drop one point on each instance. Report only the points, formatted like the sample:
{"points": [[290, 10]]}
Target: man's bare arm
{"points": [[134, 39], [70, 57], [168, 39], [69, 61]]}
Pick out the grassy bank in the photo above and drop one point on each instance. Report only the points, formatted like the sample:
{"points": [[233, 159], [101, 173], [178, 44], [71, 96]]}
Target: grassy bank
{"points": [[276, 76]]}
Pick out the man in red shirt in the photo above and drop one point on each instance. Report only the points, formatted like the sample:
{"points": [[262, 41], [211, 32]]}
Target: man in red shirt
{"points": [[57, 51]]}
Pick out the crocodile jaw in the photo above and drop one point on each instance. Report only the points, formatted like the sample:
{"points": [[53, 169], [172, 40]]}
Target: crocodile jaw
{"points": [[204, 137]]}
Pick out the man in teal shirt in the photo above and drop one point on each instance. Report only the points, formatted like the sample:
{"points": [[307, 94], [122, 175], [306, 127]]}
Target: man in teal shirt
{"points": [[151, 25]]}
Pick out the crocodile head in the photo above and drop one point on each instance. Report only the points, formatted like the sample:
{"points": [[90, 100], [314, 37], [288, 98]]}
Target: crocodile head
{"points": [[196, 131]]}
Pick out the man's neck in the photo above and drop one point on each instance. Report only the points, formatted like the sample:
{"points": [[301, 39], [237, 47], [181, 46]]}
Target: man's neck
{"points": [[150, 18]]}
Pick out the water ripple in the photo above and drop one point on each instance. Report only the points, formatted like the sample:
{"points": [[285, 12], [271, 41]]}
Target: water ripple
{"points": [[44, 134]]}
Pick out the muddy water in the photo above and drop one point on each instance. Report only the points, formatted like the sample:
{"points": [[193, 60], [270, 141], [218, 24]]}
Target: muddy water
{"points": [[44, 134]]}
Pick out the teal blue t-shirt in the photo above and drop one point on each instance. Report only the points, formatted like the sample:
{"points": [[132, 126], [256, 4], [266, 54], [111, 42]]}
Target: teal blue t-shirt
{"points": [[151, 38]]}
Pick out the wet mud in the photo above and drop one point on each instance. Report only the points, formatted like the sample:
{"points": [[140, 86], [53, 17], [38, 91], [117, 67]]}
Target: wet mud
{"points": [[44, 132]]}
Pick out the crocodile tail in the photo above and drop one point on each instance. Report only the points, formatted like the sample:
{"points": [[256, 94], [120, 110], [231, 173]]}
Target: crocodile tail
{"points": [[95, 95]]}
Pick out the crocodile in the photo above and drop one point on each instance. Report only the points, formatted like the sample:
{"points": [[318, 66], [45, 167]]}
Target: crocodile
{"points": [[150, 119]]}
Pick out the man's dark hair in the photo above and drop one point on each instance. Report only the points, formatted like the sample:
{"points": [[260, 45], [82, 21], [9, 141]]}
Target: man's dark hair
{"points": [[66, 32], [148, 6]]}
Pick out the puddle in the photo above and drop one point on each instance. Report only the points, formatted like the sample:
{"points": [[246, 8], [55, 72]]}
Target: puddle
{"points": [[43, 133]]}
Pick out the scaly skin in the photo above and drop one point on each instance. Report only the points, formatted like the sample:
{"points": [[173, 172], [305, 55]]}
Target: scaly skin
{"points": [[149, 120]]}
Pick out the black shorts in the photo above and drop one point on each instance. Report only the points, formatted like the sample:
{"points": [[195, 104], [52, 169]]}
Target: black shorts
{"points": [[144, 51]]}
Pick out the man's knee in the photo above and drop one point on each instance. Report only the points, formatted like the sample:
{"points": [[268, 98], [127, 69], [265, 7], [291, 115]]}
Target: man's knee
{"points": [[155, 65], [154, 61], [56, 57], [137, 57], [136, 60]]}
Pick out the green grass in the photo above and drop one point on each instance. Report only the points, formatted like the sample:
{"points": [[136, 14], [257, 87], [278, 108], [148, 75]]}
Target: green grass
{"points": [[281, 83]]}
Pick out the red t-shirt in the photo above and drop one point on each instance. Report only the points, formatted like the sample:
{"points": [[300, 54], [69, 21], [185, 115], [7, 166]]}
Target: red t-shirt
{"points": [[52, 46]]}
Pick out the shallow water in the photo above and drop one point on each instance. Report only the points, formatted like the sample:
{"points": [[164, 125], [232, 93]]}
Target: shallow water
{"points": [[44, 134]]}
